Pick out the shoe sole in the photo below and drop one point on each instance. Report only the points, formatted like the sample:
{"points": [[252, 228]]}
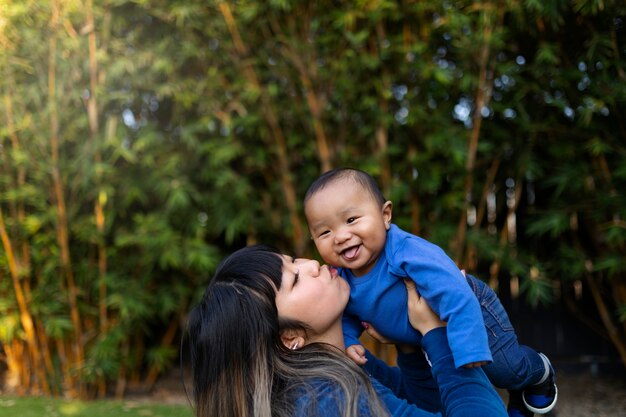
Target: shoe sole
{"points": [[546, 409]]}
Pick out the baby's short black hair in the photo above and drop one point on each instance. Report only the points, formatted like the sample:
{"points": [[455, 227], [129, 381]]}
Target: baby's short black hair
{"points": [[360, 177]]}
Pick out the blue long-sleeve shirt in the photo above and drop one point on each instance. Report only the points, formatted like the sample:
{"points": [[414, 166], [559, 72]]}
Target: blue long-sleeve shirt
{"points": [[463, 392], [379, 297]]}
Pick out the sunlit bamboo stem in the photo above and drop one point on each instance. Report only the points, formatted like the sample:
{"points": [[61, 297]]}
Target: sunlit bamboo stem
{"points": [[26, 318]]}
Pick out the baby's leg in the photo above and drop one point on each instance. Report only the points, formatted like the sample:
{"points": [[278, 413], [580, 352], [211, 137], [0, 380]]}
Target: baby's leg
{"points": [[514, 366], [518, 368]]}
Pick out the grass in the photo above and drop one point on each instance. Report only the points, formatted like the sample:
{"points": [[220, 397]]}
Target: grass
{"points": [[54, 407]]}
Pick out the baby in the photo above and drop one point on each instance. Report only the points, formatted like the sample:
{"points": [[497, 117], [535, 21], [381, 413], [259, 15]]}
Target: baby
{"points": [[350, 223]]}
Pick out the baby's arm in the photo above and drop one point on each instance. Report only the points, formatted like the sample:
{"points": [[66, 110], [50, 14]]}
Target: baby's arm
{"points": [[356, 352], [440, 282], [352, 330]]}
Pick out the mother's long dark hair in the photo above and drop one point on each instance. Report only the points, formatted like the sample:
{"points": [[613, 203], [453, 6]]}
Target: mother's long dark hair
{"points": [[241, 368]]}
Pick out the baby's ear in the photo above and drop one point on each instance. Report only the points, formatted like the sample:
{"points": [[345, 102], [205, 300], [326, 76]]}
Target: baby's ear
{"points": [[387, 213], [292, 339]]}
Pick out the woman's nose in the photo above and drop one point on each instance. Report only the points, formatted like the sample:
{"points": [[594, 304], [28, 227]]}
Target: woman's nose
{"points": [[312, 265]]}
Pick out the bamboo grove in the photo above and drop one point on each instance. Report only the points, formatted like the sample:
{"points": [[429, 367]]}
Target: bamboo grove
{"points": [[140, 141]]}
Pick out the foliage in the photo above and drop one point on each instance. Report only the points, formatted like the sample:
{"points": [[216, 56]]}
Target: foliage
{"points": [[181, 130]]}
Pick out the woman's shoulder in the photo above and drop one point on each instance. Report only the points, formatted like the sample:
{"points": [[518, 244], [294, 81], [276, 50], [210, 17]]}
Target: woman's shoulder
{"points": [[322, 397], [317, 396]]}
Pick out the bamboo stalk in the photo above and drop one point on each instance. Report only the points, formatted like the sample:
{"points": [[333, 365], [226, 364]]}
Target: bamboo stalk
{"points": [[67, 380], [471, 260], [14, 352], [416, 206], [483, 93], [122, 376], [618, 288], [20, 213], [16, 147], [46, 357], [166, 340], [494, 269], [26, 318], [307, 74], [584, 318], [489, 181], [381, 133], [272, 120], [62, 224], [92, 112], [382, 143], [314, 102], [605, 315]]}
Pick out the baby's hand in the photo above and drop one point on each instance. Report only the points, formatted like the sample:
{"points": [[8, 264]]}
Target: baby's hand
{"points": [[475, 364], [400, 347], [357, 354]]}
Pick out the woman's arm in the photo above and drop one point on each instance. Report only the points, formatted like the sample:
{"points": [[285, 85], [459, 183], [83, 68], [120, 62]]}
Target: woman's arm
{"points": [[463, 392], [411, 380]]}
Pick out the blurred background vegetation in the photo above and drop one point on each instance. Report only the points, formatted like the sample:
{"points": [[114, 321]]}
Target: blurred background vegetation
{"points": [[142, 140]]}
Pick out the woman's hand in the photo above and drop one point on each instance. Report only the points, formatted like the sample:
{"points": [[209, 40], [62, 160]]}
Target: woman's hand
{"points": [[421, 316]]}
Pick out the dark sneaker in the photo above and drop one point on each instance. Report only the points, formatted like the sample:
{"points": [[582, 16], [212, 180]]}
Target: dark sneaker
{"points": [[541, 398], [516, 407]]}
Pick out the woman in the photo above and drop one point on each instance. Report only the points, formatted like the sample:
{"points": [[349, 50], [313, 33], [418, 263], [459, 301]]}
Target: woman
{"points": [[266, 341]]}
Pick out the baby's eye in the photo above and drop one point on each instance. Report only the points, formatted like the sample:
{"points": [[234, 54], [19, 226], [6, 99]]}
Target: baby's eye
{"points": [[351, 220], [324, 233]]}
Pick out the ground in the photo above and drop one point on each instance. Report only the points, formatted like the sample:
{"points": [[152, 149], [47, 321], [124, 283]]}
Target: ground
{"points": [[584, 395], [582, 392]]}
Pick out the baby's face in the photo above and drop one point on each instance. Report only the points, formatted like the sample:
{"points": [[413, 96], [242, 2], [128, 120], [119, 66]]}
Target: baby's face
{"points": [[348, 226]]}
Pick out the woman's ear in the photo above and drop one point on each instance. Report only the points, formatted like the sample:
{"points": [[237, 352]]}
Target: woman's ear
{"points": [[292, 339], [387, 211]]}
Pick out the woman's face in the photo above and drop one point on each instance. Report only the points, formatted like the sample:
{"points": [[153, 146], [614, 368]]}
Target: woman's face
{"points": [[312, 294]]}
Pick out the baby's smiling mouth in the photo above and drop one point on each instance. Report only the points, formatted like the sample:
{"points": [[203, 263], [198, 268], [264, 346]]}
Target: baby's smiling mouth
{"points": [[350, 253]]}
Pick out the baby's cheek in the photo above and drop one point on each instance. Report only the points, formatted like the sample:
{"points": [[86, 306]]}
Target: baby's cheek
{"points": [[328, 255]]}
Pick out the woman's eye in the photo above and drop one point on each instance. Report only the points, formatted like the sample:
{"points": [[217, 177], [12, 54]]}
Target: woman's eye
{"points": [[297, 274]]}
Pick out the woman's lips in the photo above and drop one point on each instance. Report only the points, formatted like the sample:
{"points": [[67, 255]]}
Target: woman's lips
{"points": [[333, 272]]}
